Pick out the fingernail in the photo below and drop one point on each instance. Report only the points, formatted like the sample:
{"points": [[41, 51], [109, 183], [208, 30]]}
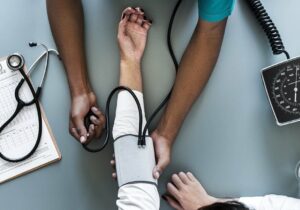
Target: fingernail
{"points": [[140, 9], [82, 139], [95, 119], [87, 134], [156, 175], [94, 109]]}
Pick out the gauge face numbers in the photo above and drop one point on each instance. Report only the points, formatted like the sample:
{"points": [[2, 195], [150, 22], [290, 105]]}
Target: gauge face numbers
{"points": [[286, 88]]}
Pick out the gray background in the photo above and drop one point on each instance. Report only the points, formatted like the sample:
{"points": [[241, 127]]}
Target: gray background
{"points": [[229, 140]]}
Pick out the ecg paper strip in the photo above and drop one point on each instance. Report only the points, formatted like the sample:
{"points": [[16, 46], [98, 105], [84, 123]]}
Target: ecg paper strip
{"points": [[17, 139]]}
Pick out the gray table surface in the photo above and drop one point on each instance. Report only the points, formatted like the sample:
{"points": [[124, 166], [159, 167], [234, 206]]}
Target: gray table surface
{"points": [[229, 140]]}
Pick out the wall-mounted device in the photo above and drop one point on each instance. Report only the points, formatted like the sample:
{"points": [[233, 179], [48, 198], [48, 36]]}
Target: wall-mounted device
{"points": [[282, 85], [282, 80]]}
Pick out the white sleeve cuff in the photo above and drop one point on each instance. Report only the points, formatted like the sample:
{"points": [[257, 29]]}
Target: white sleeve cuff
{"points": [[127, 114], [138, 196]]}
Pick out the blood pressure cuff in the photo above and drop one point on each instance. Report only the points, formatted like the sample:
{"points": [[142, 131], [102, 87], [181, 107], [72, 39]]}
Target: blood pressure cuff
{"points": [[134, 164]]}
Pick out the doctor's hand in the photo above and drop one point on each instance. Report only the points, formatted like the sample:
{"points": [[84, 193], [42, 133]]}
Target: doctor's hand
{"points": [[163, 149], [132, 34], [81, 105]]}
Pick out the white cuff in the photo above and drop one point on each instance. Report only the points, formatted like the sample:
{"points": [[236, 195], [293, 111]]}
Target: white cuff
{"points": [[127, 114]]}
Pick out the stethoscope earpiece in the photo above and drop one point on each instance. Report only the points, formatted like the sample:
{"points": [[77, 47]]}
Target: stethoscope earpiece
{"points": [[32, 44]]}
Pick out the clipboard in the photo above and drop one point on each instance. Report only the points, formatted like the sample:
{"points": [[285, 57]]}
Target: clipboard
{"points": [[19, 135]]}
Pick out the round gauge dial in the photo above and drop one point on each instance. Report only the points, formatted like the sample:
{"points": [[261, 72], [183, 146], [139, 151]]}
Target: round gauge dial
{"points": [[286, 89]]}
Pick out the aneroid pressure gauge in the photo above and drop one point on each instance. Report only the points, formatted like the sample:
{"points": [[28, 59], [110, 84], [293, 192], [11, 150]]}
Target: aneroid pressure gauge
{"points": [[281, 80], [282, 83]]}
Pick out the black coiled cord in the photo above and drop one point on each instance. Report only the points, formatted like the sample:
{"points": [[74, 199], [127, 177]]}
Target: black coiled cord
{"points": [[269, 27]]}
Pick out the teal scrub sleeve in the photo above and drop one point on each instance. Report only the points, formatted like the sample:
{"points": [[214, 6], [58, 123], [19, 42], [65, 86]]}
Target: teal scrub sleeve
{"points": [[215, 10]]}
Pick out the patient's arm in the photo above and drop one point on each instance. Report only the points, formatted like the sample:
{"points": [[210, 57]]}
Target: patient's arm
{"points": [[133, 30], [141, 194], [132, 37]]}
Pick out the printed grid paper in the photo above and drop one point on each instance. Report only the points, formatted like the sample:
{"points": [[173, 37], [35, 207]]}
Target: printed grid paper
{"points": [[19, 137]]}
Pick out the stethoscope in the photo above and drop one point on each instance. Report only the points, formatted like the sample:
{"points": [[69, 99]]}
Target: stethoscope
{"points": [[16, 62]]}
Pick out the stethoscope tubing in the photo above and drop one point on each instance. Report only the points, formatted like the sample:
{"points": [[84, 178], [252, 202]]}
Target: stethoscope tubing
{"points": [[107, 126], [35, 94], [20, 105]]}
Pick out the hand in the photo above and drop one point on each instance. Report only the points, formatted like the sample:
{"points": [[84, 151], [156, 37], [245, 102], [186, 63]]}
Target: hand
{"points": [[185, 192], [131, 36], [162, 148], [81, 105]]}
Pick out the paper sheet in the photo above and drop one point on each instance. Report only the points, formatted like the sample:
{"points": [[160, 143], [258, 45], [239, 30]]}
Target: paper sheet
{"points": [[19, 137]]}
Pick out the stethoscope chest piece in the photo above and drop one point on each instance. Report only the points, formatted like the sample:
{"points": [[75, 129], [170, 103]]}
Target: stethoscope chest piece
{"points": [[15, 61]]}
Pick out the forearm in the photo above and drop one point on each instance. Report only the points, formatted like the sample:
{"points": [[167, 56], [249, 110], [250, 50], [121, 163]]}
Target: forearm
{"points": [[127, 116], [67, 24], [141, 161], [136, 195], [195, 68], [130, 75]]}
